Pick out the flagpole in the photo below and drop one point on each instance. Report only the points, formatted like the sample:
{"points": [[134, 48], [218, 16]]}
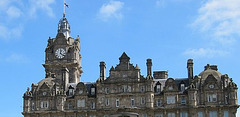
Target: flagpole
{"points": [[63, 8]]}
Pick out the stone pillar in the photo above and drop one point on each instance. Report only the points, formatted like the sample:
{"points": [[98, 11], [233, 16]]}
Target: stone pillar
{"points": [[65, 78]]}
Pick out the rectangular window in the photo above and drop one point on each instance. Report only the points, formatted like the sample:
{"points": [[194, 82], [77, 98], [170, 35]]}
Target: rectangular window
{"points": [[92, 105], [212, 97], [213, 114], [159, 115], [81, 103], [93, 91], [33, 106], [132, 102], [142, 100], [158, 102], [44, 104], [171, 99], [117, 102], [171, 114], [70, 106], [125, 88], [107, 90], [142, 88], [183, 100], [200, 114], [144, 115], [183, 114], [225, 113]]}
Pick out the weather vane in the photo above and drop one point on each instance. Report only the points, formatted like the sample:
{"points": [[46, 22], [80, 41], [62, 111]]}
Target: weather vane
{"points": [[64, 5]]}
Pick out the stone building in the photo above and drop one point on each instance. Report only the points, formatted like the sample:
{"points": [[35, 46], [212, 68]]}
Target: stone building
{"points": [[125, 92]]}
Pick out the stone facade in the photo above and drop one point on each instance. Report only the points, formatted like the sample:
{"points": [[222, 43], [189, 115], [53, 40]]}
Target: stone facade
{"points": [[125, 92]]}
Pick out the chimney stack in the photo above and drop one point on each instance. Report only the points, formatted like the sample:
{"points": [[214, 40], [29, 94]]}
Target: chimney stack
{"points": [[102, 70], [149, 67], [190, 68]]}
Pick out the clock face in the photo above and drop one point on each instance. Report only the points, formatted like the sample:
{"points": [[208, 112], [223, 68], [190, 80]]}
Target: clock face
{"points": [[60, 53]]}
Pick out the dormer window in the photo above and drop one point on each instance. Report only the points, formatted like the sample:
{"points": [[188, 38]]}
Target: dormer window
{"points": [[70, 91], [93, 91], [182, 87], [158, 88], [170, 88]]}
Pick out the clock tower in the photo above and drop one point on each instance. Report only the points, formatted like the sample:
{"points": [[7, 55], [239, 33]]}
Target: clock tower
{"points": [[63, 58]]}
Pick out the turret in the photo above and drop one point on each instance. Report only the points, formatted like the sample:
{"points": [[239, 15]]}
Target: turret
{"points": [[64, 27], [27, 101], [232, 89]]}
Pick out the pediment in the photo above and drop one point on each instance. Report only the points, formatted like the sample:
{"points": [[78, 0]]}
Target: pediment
{"points": [[44, 86]]}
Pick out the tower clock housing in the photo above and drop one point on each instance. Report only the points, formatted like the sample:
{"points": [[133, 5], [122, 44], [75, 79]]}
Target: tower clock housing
{"points": [[63, 58]]}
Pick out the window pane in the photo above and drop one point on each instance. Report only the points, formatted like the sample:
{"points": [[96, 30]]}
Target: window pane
{"points": [[213, 114], [200, 114], [225, 113]]}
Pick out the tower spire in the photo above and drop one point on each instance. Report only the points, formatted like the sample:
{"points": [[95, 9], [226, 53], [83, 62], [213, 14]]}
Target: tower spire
{"points": [[63, 25]]}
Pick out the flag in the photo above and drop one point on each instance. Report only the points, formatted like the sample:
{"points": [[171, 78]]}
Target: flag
{"points": [[66, 5]]}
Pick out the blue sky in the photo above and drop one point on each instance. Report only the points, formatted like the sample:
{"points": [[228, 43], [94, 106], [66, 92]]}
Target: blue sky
{"points": [[168, 31]]}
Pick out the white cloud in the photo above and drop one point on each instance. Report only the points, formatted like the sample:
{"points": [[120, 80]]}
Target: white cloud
{"points": [[16, 58], [220, 19], [41, 5], [16, 10], [10, 33], [111, 10], [13, 12], [4, 3], [205, 53], [238, 113]]}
